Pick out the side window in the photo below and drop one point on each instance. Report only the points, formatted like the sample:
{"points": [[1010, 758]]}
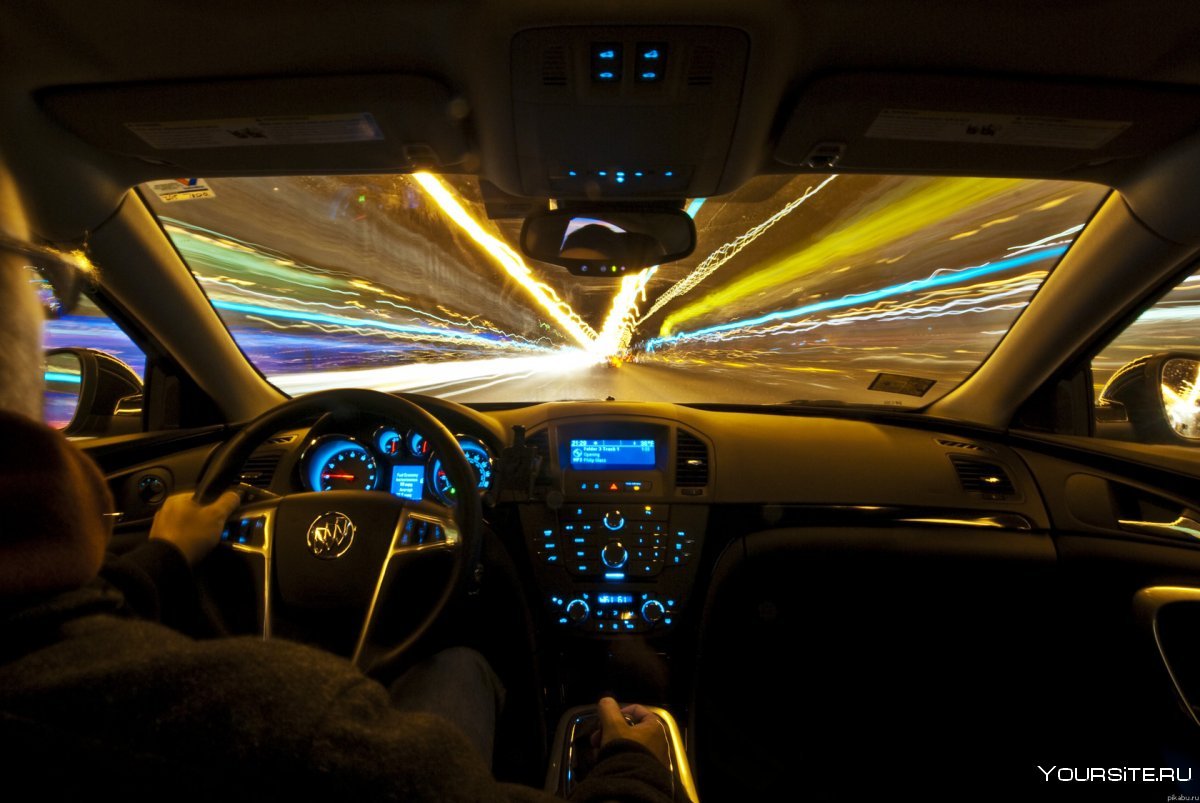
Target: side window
{"points": [[1147, 380], [111, 398]]}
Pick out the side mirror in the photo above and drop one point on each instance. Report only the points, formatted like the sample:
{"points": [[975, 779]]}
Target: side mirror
{"points": [[607, 242], [1159, 395], [90, 393]]}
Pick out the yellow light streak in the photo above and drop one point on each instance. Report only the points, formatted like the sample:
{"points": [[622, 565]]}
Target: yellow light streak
{"points": [[888, 220], [512, 263], [718, 258], [617, 330]]}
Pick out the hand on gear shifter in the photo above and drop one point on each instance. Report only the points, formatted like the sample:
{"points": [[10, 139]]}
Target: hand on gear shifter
{"points": [[632, 722]]}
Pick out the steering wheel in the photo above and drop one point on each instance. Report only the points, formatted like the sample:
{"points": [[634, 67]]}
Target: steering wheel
{"points": [[343, 549]]}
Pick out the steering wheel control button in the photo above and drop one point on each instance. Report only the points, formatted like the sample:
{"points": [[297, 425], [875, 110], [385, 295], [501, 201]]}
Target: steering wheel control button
{"points": [[330, 535], [420, 531], [613, 520], [247, 532], [614, 555]]}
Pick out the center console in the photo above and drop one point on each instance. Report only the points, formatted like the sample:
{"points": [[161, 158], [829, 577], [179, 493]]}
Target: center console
{"points": [[615, 544]]}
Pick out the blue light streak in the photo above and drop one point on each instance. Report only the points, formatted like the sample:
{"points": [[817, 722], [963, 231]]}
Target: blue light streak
{"points": [[56, 376], [338, 320], [937, 280], [694, 206]]}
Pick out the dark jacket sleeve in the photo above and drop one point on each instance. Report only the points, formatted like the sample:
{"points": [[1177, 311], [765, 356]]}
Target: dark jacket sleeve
{"points": [[158, 585], [625, 771]]}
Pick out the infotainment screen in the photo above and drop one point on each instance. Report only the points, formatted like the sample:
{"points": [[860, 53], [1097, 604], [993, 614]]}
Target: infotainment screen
{"points": [[588, 454], [408, 482]]}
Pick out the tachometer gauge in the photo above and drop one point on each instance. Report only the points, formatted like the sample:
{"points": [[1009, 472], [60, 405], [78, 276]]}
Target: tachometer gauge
{"points": [[336, 463], [481, 464], [389, 441]]}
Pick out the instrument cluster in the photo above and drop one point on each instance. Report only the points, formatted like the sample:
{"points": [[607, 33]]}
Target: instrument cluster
{"points": [[401, 463]]}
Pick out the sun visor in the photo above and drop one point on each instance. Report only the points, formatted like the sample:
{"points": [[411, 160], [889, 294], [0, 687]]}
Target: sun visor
{"points": [[979, 126], [264, 126]]}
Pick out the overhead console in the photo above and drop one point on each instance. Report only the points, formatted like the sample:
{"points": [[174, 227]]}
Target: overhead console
{"points": [[614, 546], [633, 112]]}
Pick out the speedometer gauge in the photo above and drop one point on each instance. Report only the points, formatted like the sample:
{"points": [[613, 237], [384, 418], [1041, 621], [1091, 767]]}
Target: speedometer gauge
{"points": [[340, 464], [481, 465]]}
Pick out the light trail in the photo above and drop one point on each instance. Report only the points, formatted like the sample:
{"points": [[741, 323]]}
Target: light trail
{"points": [[937, 279], [718, 258], [911, 209], [617, 331], [252, 263], [305, 316], [511, 261], [422, 376]]}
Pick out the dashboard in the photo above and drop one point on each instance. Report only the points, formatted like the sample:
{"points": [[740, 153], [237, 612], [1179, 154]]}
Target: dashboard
{"points": [[618, 510]]}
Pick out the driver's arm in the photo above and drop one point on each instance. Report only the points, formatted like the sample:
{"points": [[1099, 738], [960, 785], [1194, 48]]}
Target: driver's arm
{"points": [[155, 578]]}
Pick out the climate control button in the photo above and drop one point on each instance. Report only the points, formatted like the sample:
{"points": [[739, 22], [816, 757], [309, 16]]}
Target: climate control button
{"points": [[577, 610], [653, 611]]}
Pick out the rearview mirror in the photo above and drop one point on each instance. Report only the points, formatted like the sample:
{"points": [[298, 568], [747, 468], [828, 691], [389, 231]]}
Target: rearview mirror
{"points": [[608, 242]]}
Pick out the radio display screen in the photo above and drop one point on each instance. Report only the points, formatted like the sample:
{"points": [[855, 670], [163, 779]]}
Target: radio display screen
{"points": [[600, 454]]}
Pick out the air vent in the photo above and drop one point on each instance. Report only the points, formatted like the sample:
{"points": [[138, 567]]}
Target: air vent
{"points": [[259, 469], [554, 66], [978, 476], [280, 439], [702, 67], [540, 440], [972, 447], [691, 461]]}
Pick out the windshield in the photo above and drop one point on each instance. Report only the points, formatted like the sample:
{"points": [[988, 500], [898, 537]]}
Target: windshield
{"points": [[857, 289]]}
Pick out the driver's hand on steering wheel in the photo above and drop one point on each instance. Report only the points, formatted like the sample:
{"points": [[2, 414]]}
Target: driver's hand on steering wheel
{"points": [[194, 528]]}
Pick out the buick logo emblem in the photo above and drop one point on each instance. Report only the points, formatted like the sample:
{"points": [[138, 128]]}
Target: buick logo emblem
{"points": [[330, 535]]}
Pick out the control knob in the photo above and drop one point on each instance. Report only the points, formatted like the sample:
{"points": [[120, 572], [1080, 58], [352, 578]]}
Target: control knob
{"points": [[653, 611], [577, 610], [614, 554], [613, 520]]}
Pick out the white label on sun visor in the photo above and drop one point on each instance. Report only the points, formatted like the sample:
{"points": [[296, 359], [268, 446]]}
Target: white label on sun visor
{"points": [[996, 129], [181, 189], [305, 129]]}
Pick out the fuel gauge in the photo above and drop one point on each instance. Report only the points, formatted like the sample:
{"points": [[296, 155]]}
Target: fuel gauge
{"points": [[389, 441]]}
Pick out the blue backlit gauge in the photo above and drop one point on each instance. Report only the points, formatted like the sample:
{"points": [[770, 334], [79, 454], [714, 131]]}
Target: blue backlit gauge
{"points": [[481, 464], [416, 444], [336, 463], [389, 442]]}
